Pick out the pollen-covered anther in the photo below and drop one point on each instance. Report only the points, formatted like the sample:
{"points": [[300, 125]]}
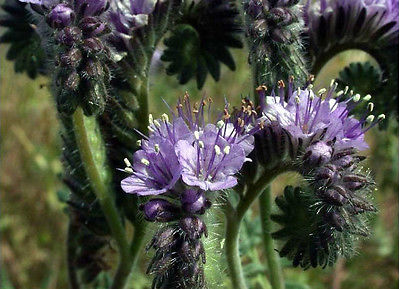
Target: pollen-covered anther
{"points": [[370, 106], [220, 124], [145, 161], [139, 142], [127, 162], [370, 119], [165, 117], [227, 150], [151, 119], [157, 123], [281, 84], [356, 98], [217, 149], [196, 135], [157, 148], [201, 144], [321, 91], [367, 97], [381, 117]]}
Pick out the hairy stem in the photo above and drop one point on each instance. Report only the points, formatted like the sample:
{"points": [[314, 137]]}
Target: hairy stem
{"points": [[234, 218], [106, 201], [275, 270]]}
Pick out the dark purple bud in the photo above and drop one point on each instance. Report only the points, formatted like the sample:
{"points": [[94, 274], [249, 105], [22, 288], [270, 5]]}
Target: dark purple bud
{"points": [[192, 251], [91, 7], [71, 58], [92, 26], [194, 201], [194, 227], [336, 220], [93, 45], [69, 36], [280, 35], [281, 16], [345, 161], [164, 239], [159, 210], [60, 16], [254, 8], [318, 154], [72, 81], [334, 197], [93, 69]]}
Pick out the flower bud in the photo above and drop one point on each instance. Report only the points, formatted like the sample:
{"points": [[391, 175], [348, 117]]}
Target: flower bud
{"points": [[281, 16], [91, 26], [93, 69], [93, 45], [72, 58], [318, 154], [164, 239], [69, 36], [194, 227], [194, 201], [60, 17], [159, 210], [336, 220]]}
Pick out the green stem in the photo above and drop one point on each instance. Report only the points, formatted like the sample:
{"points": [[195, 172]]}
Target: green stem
{"points": [[106, 201], [275, 270], [234, 218]]}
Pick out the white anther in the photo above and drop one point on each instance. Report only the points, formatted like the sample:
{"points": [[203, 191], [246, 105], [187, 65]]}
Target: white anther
{"points": [[346, 89], [297, 99], [322, 91], [298, 91], [332, 83], [139, 143], [145, 161], [157, 148], [157, 123], [367, 97], [201, 144], [217, 149], [370, 118], [227, 150], [381, 117], [351, 92], [150, 128], [220, 124], [127, 162], [370, 106], [196, 135], [165, 117], [128, 170], [356, 98], [310, 87], [151, 120], [340, 93]]}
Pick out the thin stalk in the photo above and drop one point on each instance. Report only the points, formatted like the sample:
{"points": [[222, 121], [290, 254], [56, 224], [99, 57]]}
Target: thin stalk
{"points": [[275, 270], [106, 201], [234, 218]]}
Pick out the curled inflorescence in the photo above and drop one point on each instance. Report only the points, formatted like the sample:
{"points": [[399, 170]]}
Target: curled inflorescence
{"points": [[182, 161]]}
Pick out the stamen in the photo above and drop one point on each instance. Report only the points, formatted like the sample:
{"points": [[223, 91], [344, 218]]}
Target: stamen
{"points": [[128, 170], [341, 92], [139, 143], [220, 124], [381, 117], [370, 106], [165, 117], [201, 144], [157, 123], [157, 148], [127, 162], [196, 135], [150, 129], [145, 161], [367, 97], [227, 150], [321, 91], [346, 89], [332, 82], [217, 149], [151, 120], [370, 119], [356, 98]]}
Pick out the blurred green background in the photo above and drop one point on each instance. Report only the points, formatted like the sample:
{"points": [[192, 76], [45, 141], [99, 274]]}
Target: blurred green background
{"points": [[33, 224]]}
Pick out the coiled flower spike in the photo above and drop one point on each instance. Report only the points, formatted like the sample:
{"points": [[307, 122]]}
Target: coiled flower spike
{"points": [[182, 161]]}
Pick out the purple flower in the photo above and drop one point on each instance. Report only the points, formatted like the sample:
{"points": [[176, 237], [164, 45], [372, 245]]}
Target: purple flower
{"points": [[305, 114], [201, 154], [60, 16], [155, 169], [128, 16]]}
